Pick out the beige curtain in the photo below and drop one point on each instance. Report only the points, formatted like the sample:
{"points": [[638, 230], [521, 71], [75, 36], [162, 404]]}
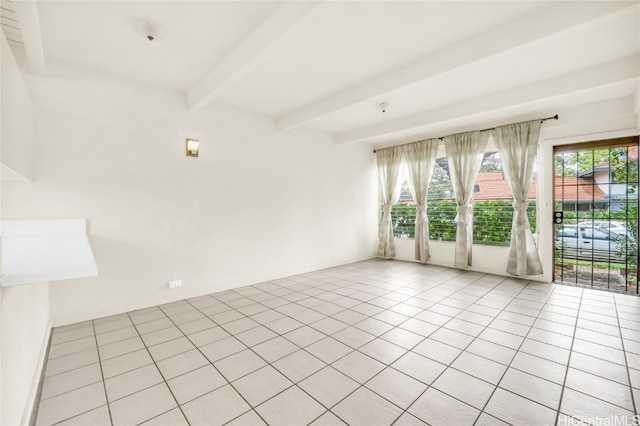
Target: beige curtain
{"points": [[389, 186], [517, 144], [420, 158], [464, 155]]}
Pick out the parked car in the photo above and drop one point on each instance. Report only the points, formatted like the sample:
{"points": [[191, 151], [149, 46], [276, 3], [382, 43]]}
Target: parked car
{"points": [[590, 243], [613, 226]]}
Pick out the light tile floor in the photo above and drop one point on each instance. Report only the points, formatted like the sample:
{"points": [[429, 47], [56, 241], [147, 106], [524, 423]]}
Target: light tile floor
{"points": [[375, 342]]}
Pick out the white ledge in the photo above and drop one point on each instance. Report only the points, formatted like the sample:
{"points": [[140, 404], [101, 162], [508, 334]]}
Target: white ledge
{"points": [[36, 251]]}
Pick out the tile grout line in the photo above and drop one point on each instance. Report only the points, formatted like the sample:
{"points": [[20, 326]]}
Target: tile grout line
{"points": [[524, 338], [326, 365], [161, 375], [294, 384], [463, 350], [516, 350], [362, 385], [566, 371], [212, 364], [36, 403], [405, 410], [327, 409], [219, 372], [571, 351], [104, 385], [623, 351], [447, 366], [634, 403], [84, 386]]}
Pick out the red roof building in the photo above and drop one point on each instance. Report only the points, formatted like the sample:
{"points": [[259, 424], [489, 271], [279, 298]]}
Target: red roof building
{"points": [[493, 186], [578, 189]]}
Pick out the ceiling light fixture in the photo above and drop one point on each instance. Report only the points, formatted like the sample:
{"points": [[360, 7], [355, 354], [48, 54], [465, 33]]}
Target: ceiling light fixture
{"points": [[193, 147]]}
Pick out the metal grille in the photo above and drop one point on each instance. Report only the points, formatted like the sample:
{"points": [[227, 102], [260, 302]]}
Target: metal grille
{"points": [[596, 194]]}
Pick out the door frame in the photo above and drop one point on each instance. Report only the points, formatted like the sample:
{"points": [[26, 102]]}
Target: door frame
{"points": [[550, 201]]}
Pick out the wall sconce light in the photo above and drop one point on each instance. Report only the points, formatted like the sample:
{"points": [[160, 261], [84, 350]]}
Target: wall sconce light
{"points": [[193, 146]]}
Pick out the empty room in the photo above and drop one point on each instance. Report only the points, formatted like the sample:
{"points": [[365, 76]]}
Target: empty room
{"points": [[226, 212]]}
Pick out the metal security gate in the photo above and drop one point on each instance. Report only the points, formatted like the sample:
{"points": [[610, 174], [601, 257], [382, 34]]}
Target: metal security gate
{"points": [[596, 214]]}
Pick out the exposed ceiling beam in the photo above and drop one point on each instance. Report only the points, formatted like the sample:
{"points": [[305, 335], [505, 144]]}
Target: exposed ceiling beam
{"points": [[549, 22], [592, 119], [246, 55], [29, 21], [590, 79]]}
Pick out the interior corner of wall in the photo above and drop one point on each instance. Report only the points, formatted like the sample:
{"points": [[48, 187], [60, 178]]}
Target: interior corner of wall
{"points": [[30, 409], [23, 349]]}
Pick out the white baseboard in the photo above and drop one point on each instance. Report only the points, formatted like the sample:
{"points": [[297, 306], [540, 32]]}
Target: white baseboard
{"points": [[28, 415]]}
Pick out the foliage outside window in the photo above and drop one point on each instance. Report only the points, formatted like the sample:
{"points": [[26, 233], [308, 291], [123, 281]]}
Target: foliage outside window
{"points": [[492, 221], [622, 163]]}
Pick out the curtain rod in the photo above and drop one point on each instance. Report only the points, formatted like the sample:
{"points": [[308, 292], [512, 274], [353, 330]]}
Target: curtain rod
{"points": [[542, 120]]}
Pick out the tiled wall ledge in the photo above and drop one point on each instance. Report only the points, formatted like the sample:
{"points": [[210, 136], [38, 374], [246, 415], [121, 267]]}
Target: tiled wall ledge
{"points": [[44, 250]]}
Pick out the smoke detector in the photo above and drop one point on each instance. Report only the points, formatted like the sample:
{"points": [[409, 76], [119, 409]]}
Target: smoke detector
{"points": [[148, 29], [382, 106]]}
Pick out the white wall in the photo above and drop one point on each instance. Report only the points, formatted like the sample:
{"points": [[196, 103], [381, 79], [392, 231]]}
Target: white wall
{"points": [[24, 310], [256, 205], [25, 334], [16, 120], [487, 259]]}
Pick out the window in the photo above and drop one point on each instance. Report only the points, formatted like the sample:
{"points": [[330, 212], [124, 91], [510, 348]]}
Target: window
{"points": [[403, 213], [595, 234], [567, 232], [441, 207], [493, 205]]}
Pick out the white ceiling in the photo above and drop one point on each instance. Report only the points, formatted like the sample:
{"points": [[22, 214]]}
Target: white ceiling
{"points": [[439, 65]]}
